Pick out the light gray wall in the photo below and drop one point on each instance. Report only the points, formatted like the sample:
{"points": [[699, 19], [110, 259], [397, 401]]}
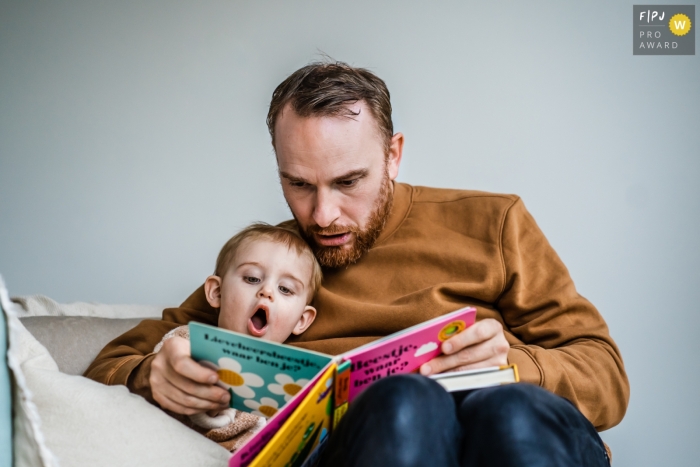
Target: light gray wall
{"points": [[133, 144]]}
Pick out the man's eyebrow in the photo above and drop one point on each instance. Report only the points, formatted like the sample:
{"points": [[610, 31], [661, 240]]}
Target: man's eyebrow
{"points": [[359, 173], [291, 177]]}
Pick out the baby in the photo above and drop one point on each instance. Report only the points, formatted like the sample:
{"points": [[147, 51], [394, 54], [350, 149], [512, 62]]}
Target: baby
{"points": [[263, 284]]}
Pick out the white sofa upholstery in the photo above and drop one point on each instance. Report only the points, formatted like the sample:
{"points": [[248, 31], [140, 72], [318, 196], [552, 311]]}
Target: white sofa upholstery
{"points": [[61, 418]]}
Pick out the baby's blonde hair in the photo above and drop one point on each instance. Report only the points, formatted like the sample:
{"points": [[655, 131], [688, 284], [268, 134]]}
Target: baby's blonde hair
{"points": [[288, 236]]}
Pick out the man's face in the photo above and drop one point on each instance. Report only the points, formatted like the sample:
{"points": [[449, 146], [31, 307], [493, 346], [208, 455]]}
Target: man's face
{"points": [[336, 177]]}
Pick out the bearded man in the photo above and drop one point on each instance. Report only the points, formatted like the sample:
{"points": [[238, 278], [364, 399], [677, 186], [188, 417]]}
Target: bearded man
{"points": [[395, 255]]}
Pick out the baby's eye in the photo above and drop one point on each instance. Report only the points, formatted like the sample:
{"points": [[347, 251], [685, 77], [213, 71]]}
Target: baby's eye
{"points": [[285, 290], [251, 279]]}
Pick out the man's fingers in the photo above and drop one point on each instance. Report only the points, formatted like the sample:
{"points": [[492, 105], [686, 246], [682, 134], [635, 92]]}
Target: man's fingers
{"points": [[474, 334], [482, 355], [180, 384], [173, 405], [481, 345], [169, 404], [177, 353], [193, 394], [185, 396]]}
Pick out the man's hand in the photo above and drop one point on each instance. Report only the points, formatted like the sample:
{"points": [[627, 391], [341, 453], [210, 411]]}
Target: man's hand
{"points": [[481, 345], [180, 384]]}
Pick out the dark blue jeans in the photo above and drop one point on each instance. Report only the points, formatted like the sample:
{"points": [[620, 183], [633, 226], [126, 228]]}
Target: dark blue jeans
{"points": [[410, 420]]}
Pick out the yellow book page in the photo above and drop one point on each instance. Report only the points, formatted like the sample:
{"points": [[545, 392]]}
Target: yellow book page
{"points": [[306, 427]]}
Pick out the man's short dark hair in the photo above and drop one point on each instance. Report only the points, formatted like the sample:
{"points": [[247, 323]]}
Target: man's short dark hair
{"points": [[325, 89]]}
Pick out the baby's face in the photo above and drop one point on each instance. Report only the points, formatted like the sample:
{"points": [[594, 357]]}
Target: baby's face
{"points": [[265, 290]]}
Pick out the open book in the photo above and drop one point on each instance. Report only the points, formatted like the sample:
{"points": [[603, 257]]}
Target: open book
{"points": [[305, 393]]}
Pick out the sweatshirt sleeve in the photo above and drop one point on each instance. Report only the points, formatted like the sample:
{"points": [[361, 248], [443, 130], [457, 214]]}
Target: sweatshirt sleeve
{"points": [[127, 359], [567, 346]]}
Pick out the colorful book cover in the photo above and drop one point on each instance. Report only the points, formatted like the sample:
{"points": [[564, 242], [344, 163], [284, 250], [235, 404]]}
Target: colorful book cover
{"points": [[401, 352], [278, 423], [261, 376], [304, 393], [306, 428]]}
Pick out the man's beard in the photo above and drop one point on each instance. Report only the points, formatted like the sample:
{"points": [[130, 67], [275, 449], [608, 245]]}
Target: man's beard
{"points": [[337, 256]]}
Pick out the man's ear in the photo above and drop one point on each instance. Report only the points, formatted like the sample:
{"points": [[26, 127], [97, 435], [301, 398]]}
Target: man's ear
{"points": [[307, 317], [394, 156], [212, 290]]}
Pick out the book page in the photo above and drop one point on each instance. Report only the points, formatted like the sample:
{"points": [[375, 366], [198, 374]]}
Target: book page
{"points": [[261, 376]]}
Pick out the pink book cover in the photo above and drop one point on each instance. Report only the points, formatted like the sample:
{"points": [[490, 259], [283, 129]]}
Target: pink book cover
{"points": [[405, 351]]}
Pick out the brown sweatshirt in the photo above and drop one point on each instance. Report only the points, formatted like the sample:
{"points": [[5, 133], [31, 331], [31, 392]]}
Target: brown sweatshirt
{"points": [[439, 251]]}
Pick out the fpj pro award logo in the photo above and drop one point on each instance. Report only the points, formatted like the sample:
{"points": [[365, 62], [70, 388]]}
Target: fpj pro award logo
{"points": [[664, 29]]}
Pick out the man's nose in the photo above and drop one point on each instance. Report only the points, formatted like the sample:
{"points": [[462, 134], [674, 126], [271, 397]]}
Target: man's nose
{"points": [[326, 210]]}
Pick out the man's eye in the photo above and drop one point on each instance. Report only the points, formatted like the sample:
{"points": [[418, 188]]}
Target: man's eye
{"points": [[348, 183], [285, 290], [299, 184], [251, 279]]}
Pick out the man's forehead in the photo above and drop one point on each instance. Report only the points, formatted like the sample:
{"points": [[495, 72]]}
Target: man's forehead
{"points": [[293, 129], [334, 145], [358, 112]]}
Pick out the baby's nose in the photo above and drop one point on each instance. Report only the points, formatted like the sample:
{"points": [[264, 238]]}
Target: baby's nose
{"points": [[265, 292]]}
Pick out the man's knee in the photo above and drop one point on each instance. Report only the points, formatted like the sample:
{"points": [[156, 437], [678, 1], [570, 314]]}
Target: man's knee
{"points": [[410, 395], [514, 408], [523, 424], [397, 421]]}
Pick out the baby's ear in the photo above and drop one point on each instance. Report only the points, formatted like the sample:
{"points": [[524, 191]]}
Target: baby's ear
{"points": [[212, 290], [307, 317]]}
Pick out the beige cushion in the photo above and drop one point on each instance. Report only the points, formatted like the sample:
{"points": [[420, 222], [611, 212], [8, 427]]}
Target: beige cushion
{"points": [[41, 305], [75, 341], [85, 423], [66, 420]]}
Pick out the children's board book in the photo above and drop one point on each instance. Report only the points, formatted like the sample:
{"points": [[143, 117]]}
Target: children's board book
{"points": [[475, 379], [303, 394]]}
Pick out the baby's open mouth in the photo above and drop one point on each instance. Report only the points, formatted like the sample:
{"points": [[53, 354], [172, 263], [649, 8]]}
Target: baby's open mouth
{"points": [[259, 319], [258, 322]]}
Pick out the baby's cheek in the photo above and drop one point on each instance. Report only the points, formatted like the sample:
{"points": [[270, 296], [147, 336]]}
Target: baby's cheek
{"points": [[279, 329], [228, 321]]}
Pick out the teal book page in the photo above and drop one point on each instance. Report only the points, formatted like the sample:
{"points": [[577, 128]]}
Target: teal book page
{"points": [[260, 375]]}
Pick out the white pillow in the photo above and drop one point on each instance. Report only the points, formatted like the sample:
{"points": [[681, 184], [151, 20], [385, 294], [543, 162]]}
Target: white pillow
{"points": [[28, 445], [84, 423]]}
